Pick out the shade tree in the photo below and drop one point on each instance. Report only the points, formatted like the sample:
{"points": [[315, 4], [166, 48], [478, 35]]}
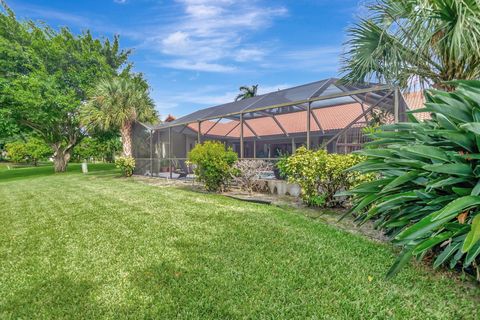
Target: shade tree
{"points": [[46, 75]]}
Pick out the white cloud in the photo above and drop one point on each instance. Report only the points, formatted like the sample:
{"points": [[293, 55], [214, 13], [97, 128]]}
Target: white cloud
{"points": [[120, 1], [206, 96], [175, 42], [252, 54], [312, 53], [215, 36], [197, 66], [208, 33], [98, 23], [46, 14], [201, 10], [311, 59], [272, 88]]}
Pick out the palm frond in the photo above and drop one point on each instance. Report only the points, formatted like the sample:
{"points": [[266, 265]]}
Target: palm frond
{"points": [[118, 101], [247, 92], [433, 41]]}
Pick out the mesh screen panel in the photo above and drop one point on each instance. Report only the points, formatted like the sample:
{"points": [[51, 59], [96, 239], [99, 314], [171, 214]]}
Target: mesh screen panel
{"points": [[274, 124], [140, 141]]}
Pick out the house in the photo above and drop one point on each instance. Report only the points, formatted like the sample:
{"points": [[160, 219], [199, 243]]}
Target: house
{"points": [[273, 124]]}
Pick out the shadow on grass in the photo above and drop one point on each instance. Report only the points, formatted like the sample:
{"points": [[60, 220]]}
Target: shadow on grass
{"points": [[182, 293], [52, 298], [46, 170]]}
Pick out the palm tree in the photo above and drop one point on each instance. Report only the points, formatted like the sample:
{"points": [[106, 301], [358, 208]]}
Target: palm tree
{"points": [[247, 92], [415, 42], [118, 103]]}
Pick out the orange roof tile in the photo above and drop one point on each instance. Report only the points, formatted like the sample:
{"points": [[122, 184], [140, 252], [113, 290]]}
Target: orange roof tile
{"points": [[330, 118], [415, 101]]}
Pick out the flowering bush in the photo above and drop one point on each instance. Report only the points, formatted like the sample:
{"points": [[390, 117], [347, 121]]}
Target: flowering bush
{"points": [[214, 164], [127, 164], [321, 175]]}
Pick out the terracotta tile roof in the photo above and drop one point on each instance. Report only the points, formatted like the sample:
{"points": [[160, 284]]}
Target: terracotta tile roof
{"points": [[415, 101], [330, 118]]}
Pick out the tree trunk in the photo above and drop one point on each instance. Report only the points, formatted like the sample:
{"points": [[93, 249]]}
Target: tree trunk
{"points": [[126, 132], [60, 159]]}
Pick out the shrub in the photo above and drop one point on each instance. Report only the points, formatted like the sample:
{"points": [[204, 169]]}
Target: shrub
{"points": [[126, 164], [321, 175], [428, 197], [31, 151], [16, 151], [279, 168], [214, 164], [247, 172]]}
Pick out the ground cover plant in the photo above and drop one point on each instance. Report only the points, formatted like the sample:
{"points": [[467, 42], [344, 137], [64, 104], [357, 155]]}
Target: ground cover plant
{"points": [[428, 197], [98, 246]]}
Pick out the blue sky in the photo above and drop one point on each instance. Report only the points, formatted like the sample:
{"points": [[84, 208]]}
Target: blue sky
{"points": [[196, 53]]}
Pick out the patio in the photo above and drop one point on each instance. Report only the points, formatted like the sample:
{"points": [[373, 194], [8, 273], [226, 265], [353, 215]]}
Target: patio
{"points": [[269, 125]]}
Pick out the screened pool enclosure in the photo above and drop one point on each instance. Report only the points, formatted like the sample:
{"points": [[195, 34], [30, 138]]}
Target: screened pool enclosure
{"points": [[323, 114]]}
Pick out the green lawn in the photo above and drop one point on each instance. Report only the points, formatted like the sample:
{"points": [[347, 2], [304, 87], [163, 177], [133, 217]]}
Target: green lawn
{"points": [[98, 246]]}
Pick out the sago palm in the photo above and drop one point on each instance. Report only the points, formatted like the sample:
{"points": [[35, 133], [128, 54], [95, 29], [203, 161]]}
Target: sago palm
{"points": [[415, 42], [118, 103], [247, 92]]}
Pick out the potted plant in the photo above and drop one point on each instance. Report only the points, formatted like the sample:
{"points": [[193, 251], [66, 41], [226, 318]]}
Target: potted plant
{"points": [[164, 165]]}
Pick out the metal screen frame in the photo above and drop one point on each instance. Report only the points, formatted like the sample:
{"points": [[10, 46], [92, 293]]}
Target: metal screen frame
{"points": [[373, 95]]}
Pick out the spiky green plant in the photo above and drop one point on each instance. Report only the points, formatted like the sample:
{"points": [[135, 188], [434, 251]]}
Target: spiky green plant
{"points": [[430, 40], [428, 197]]}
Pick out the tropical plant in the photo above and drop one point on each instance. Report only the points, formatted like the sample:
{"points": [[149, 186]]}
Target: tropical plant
{"points": [[428, 196], [247, 92], [321, 175], [403, 41], [126, 164], [214, 164], [117, 104], [247, 172], [45, 76]]}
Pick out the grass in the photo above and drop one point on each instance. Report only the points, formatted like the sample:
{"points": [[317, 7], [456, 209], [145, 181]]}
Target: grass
{"points": [[45, 169], [5, 165], [98, 246]]}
